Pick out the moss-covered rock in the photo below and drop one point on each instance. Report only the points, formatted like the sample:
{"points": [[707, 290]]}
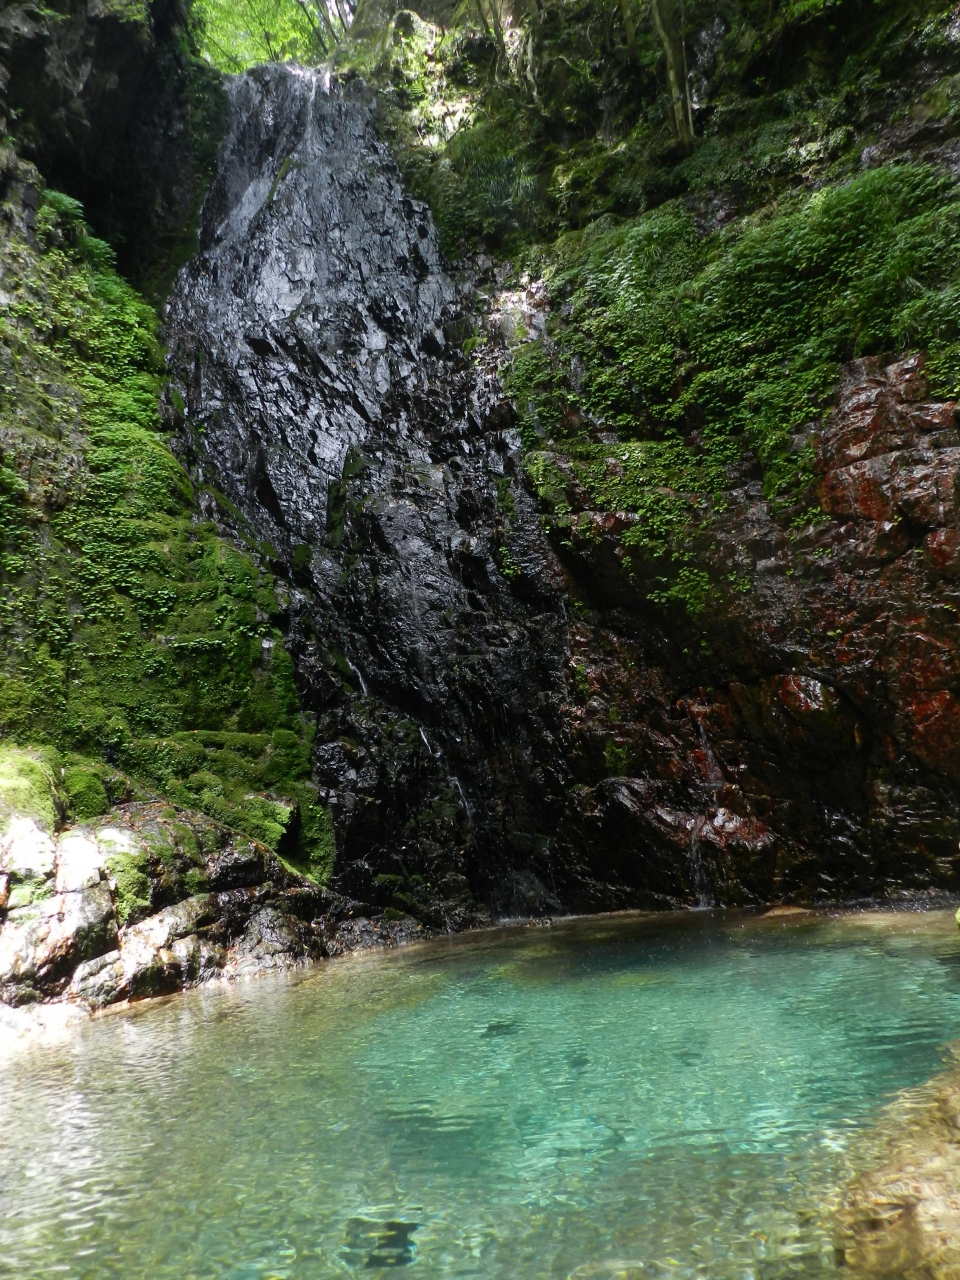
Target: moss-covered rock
{"points": [[133, 633], [86, 793], [28, 788], [128, 865], [670, 355]]}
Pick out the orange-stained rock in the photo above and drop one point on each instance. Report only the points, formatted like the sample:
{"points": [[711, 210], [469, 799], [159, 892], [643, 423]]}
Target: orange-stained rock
{"points": [[815, 696]]}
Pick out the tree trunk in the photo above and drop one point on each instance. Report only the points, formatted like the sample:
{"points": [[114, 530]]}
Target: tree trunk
{"points": [[666, 19], [531, 56], [497, 21], [626, 8]]}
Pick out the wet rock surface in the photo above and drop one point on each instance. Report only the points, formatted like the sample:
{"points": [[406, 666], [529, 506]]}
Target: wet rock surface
{"points": [[483, 743], [319, 384], [808, 747]]}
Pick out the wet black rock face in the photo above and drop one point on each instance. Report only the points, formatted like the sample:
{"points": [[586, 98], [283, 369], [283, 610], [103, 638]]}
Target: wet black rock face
{"points": [[319, 387]]}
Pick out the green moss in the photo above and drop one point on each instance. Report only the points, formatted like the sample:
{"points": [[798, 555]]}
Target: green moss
{"points": [[86, 793], [195, 882], [28, 787], [615, 759], [580, 681], [742, 333], [130, 630], [319, 835], [130, 873], [691, 349]]}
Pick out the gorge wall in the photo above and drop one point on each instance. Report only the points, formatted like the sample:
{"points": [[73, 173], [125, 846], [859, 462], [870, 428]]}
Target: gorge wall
{"points": [[496, 699], [320, 386], [424, 602]]}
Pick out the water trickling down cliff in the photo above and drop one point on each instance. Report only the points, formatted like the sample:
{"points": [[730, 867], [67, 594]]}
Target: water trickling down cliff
{"points": [[320, 387], [495, 728]]}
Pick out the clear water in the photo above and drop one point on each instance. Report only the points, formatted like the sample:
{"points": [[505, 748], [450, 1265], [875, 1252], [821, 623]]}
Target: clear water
{"points": [[597, 1100]]}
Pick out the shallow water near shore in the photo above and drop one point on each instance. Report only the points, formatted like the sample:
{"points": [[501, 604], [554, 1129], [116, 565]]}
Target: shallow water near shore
{"points": [[615, 1097]]}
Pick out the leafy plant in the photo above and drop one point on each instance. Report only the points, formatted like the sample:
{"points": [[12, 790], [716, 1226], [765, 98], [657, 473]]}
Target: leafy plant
{"points": [[236, 34]]}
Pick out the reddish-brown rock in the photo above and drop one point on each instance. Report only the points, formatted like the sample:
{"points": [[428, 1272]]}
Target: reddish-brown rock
{"points": [[801, 735]]}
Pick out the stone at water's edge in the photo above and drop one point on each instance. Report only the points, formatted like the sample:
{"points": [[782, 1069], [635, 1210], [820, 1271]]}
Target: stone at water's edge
{"points": [[145, 900]]}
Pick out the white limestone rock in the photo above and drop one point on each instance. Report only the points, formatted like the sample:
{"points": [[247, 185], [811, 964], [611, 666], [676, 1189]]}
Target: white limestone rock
{"points": [[42, 941], [79, 862], [26, 850], [118, 840], [151, 957]]}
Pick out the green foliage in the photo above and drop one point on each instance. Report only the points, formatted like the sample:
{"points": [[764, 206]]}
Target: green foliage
{"points": [[742, 333], [483, 191], [473, 165], [688, 348], [580, 681], [129, 629], [615, 759], [566, 122], [236, 34]]}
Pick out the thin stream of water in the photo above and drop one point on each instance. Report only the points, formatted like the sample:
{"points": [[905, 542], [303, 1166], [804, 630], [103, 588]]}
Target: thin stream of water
{"points": [[608, 1098]]}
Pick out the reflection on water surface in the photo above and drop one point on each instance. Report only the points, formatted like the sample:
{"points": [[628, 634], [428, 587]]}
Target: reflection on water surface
{"points": [[602, 1100]]}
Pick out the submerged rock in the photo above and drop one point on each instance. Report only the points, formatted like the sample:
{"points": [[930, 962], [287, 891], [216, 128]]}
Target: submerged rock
{"points": [[902, 1217]]}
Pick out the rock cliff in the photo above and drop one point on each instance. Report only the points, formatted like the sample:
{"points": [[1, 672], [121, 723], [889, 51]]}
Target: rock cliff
{"points": [[320, 386], [623, 574], [112, 103], [507, 707], [816, 752]]}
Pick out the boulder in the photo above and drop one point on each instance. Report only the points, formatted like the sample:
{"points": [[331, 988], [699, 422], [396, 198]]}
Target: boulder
{"points": [[41, 943]]}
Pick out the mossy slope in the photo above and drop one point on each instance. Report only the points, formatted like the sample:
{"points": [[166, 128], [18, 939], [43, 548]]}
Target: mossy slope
{"points": [[682, 351], [131, 632], [28, 788]]}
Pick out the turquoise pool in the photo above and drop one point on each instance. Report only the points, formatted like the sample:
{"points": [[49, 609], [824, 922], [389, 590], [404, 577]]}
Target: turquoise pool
{"points": [[608, 1098]]}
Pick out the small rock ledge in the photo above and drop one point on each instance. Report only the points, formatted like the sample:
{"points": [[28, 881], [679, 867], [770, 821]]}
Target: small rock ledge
{"points": [[146, 900]]}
